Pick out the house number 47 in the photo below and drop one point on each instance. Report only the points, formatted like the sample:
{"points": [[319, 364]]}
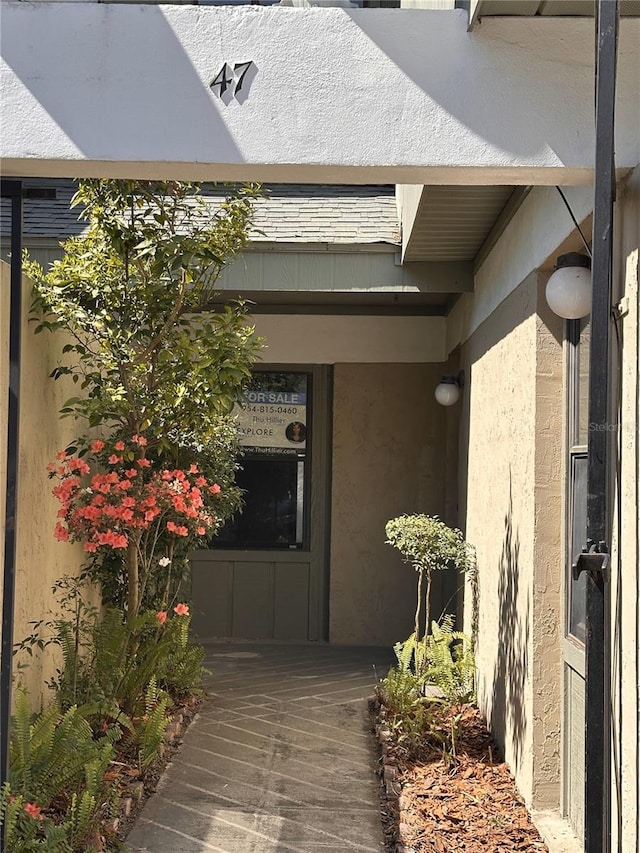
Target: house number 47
{"points": [[231, 82]]}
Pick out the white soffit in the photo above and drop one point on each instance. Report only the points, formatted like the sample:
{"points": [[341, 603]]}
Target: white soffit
{"points": [[452, 223]]}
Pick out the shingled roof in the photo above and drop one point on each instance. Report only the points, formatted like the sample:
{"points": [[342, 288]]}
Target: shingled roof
{"points": [[289, 213]]}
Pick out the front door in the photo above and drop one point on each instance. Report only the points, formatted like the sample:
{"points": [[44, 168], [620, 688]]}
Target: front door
{"points": [[266, 576]]}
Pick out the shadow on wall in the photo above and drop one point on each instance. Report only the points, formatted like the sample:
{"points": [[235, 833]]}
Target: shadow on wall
{"points": [[508, 715]]}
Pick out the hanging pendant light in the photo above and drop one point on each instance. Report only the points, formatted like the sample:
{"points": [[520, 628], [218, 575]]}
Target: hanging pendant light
{"points": [[569, 288]]}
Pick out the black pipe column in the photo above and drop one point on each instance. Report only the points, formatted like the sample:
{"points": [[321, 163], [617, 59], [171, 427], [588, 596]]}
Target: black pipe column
{"points": [[13, 191], [595, 562]]}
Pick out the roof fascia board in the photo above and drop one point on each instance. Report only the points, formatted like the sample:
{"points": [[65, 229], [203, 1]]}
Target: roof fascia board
{"points": [[303, 247]]}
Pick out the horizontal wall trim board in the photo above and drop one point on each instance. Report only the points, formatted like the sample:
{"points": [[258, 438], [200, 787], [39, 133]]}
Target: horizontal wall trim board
{"points": [[296, 173], [354, 311]]}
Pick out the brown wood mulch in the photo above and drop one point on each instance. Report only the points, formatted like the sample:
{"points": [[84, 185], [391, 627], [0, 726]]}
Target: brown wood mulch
{"points": [[436, 802]]}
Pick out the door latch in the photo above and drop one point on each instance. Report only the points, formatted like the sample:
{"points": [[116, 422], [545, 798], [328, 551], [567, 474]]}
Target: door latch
{"points": [[593, 559]]}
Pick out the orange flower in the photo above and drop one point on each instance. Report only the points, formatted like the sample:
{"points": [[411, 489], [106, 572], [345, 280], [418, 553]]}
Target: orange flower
{"points": [[97, 445], [178, 529], [161, 616], [61, 533], [33, 811], [181, 609], [119, 445]]}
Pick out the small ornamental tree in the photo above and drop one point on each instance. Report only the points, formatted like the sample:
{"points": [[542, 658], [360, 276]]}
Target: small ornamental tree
{"points": [[135, 295], [158, 366], [429, 545]]}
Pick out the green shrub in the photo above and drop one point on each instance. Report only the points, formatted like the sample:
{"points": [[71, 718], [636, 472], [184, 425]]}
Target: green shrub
{"points": [[181, 671], [450, 662], [405, 709], [56, 795], [444, 659], [153, 724], [27, 834]]}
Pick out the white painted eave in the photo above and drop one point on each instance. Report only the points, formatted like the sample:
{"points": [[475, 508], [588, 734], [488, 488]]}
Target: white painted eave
{"points": [[356, 96]]}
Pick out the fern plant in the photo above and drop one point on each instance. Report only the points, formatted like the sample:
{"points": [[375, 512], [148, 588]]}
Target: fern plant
{"points": [[54, 759], [24, 833], [88, 807], [405, 709], [153, 724], [181, 671], [450, 662]]}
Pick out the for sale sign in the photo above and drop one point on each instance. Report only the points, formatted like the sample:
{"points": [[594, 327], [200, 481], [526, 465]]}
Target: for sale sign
{"points": [[273, 421]]}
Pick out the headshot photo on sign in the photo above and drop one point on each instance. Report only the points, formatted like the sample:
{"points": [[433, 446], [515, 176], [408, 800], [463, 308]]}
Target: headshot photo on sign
{"points": [[296, 432]]}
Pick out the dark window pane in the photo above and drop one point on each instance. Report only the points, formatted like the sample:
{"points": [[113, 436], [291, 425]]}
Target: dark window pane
{"points": [[275, 437], [583, 382], [577, 588], [273, 506]]}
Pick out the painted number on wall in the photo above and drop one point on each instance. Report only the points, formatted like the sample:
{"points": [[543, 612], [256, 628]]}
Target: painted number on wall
{"points": [[233, 81]]}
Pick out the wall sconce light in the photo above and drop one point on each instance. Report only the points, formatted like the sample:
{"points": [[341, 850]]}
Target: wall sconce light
{"points": [[448, 391], [569, 288]]}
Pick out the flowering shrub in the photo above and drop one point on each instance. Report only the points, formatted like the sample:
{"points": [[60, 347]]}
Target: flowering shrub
{"points": [[115, 499], [106, 508]]}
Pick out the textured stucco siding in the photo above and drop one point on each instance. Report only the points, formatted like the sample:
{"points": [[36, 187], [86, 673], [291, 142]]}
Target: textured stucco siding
{"points": [[339, 95], [335, 338], [498, 482], [548, 588], [389, 458], [40, 559], [625, 597]]}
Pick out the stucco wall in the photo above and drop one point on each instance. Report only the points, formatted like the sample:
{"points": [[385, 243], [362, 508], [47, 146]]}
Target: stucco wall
{"points": [[122, 90], [625, 598], [498, 482], [330, 339], [548, 545], [40, 559], [389, 450], [511, 509]]}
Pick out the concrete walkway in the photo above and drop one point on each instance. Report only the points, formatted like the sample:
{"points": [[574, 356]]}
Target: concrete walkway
{"points": [[279, 760]]}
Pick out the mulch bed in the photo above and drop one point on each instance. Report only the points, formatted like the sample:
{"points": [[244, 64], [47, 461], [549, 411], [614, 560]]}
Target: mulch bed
{"points": [[134, 789], [439, 803]]}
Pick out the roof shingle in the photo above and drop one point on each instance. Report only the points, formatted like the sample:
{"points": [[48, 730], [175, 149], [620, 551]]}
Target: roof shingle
{"points": [[290, 213]]}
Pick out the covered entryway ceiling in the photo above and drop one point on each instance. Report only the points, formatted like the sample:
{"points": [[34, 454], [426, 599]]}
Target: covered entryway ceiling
{"points": [[332, 249]]}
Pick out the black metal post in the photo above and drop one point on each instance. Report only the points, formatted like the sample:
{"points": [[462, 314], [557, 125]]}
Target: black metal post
{"points": [[598, 668], [12, 190]]}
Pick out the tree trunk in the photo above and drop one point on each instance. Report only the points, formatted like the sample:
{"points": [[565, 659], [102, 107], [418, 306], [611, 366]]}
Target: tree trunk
{"points": [[132, 580], [427, 605], [417, 617]]}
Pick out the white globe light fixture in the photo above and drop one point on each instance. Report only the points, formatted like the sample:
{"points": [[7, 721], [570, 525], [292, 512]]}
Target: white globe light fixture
{"points": [[447, 393], [569, 288]]}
